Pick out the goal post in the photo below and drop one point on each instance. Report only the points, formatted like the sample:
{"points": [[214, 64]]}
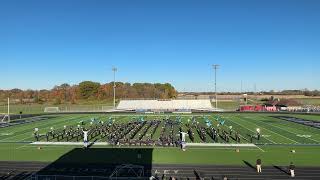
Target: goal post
{"points": [[51, 109], [8, 115], [5, 117]]}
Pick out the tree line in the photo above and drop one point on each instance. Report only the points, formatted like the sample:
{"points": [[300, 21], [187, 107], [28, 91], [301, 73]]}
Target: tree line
{"points": [[304, 92], [90, 91]]}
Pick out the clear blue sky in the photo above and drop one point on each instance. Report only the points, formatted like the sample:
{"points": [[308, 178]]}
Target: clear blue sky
{"points": [[273, 43]]}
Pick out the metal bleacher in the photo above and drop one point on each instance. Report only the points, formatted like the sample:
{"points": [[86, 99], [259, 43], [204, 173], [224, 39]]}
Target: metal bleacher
{"points": [[166, 105]]}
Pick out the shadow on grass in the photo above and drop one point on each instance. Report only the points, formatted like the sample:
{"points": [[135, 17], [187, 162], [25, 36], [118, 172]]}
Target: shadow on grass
{"points": [[281, 169], [107, 162], [197, 174], [13, 175], [249, 165]]}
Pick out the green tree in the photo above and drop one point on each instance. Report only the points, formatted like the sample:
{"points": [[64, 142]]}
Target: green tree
{"points": [[89, 89]]}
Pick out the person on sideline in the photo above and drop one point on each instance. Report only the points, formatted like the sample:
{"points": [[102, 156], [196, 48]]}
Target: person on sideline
{"points": [[291, 168], [259, 163], [85, 138]]}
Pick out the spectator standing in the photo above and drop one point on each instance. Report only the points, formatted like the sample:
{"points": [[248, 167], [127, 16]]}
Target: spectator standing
{"points": [[292, 168], [259, 164]]}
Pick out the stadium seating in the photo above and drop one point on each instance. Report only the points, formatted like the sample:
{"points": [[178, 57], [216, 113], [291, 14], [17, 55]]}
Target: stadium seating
{"points": [[165, 105]]}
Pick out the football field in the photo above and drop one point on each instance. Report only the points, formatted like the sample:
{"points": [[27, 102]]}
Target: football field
{"points": [[278, 138]]}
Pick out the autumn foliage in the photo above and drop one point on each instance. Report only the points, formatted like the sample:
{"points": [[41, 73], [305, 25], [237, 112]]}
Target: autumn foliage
{"points": [[90, 91]]}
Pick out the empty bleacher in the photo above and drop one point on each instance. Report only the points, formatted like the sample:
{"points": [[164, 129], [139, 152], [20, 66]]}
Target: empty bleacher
{"points": [[165, 105]]}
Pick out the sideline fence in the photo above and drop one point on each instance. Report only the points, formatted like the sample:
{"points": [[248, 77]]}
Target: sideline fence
{"points": [[38, 109]]}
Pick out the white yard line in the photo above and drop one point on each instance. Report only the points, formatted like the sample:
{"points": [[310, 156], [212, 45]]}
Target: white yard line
{"points": [[20, 147], [219, 145], [191, 145], [17, 132], [107, 144], [253, 131], [45, 146], [226, 148], [60, 122], [261, 149], [274, 132], [292, 133], [31, 136], [288, 131], [69, 143]]}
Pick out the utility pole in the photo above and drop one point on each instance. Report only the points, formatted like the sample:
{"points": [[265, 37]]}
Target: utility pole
{"points": [[255, 91], [114, 69], [215, 67], [9, 110], [255, 87]]}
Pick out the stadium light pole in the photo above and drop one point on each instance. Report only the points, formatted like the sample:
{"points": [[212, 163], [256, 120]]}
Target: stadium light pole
{"points": [[9, 110], [114, 69], [215, 67]]}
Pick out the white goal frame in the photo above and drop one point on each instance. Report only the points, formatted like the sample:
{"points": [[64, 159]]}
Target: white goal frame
{"points": [[7, 116]]}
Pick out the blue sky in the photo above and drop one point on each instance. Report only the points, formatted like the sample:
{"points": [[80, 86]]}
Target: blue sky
{"points": [[273, 44]]}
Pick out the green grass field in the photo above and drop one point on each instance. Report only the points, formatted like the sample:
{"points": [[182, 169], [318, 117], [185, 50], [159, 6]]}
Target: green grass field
{"points": [[278, 139], [34, 108]]}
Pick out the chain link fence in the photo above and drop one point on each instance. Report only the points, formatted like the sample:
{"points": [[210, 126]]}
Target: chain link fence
{"points": [[38, 108]]}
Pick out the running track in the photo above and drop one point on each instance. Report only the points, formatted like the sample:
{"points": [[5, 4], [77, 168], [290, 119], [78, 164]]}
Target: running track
{"points": [[22, 170]]}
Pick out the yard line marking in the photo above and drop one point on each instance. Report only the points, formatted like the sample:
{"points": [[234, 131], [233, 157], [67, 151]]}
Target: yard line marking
{"points": [[31, 135], [218, 145], [261, 149], [274, 132], [282, 129], [53, 124], [213, 148], [287, 130], [296, 134], [22, 146], [26, 138], [255, 148], [47, 146], [17, 132], [252, 131]]}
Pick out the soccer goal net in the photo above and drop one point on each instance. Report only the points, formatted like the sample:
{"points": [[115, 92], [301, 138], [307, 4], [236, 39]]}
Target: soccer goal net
{"points": [[51, 109], [4, 118]]}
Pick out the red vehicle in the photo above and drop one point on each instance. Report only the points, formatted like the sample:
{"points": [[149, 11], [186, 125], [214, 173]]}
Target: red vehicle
{"points": [[252, 108]]}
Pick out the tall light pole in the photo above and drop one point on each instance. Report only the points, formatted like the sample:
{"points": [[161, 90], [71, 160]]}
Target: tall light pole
{"points": [[114, 69], [215, 67], [9, 110]]}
